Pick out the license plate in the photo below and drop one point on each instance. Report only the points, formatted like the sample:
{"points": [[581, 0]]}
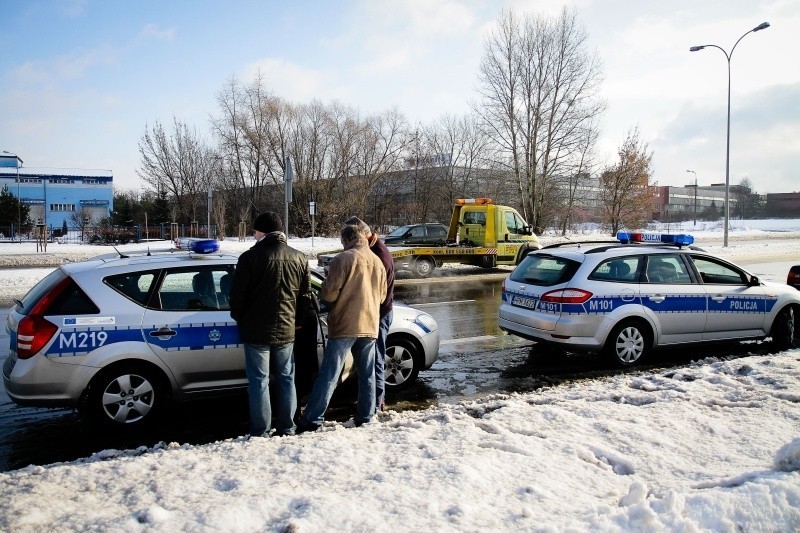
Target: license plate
{"points": [[524, 301]]}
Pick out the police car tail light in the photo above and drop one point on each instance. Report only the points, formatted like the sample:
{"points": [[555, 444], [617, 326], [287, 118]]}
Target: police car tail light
{"points": [[566, 296], [34, 331]]}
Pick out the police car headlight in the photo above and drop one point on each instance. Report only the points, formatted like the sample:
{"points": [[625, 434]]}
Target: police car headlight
{"points": [[426, 322]]}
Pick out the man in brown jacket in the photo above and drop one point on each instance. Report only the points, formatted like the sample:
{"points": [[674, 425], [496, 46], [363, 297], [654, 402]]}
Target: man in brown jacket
{"points": [[355, 287]]}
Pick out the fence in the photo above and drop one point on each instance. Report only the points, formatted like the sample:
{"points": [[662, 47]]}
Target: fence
{"points": [[107, 234]]}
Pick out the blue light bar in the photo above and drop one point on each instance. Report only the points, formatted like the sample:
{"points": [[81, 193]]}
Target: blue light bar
{"points": [[663, 238], [198, 246]]}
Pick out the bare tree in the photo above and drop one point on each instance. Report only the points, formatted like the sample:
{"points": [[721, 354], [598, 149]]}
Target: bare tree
{"points": [[455, 149], [625, 188], [577, 184], [540, 95], [243, 127], [177, 163]]}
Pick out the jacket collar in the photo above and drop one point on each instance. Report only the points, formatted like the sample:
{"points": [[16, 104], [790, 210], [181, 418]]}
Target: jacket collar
{"points": [[273, 237]]}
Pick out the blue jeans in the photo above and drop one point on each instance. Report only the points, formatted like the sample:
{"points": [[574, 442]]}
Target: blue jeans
{"points": [[260, 361], [336, 351], [380, 358]]}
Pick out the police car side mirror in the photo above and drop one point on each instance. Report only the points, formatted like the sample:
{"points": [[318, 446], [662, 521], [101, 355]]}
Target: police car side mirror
{"points": [[754, 281]]}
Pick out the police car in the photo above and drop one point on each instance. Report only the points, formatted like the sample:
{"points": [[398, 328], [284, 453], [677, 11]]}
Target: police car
{"points": [[118, 336], [639, 293]]}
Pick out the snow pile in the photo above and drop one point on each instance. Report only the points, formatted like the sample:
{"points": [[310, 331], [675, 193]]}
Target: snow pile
{"points": [[713, 446]]}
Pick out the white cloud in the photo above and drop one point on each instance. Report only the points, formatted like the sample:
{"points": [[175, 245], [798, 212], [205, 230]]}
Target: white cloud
{"points": [[72, 8], [63, 67], [154, 32], [294, 82]]}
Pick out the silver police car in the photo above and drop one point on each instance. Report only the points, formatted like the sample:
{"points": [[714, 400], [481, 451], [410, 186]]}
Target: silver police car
{"points": [[642, 292], [117, 337]]}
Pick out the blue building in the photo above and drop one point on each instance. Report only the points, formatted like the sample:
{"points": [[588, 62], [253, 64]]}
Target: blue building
{"points": [[58, 195]]}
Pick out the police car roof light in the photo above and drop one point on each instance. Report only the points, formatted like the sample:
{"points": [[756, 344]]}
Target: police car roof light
{"points": [[663, 238], [198, 246]]}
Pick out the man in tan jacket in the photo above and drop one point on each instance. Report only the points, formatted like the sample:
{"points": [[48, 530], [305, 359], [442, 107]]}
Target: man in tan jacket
{"points": [[355, 287]]}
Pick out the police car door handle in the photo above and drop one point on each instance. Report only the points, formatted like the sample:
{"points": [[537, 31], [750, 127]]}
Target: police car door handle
{"points": [[163, 332], [719, 298], [657, 298]]}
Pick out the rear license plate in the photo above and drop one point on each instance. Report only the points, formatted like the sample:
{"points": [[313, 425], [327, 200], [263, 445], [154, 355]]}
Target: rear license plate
{"points": [[524, 301]]}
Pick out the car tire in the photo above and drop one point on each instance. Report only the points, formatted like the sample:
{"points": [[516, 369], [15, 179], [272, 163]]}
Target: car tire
{"points": [[628, 343], [108, 403], [423, 267], [403, 362], [783, 330]]}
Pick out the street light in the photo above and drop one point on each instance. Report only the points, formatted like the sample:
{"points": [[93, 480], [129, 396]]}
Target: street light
{"points": [[695, 196], [762, 26]]}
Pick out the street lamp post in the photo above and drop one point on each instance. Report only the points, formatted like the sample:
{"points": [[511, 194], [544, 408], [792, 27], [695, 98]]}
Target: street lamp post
{"points": [[762, 26], [695, 196]]}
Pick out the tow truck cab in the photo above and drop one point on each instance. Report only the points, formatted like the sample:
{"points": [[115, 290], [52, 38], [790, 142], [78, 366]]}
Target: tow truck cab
{"points": [[480, 222]]}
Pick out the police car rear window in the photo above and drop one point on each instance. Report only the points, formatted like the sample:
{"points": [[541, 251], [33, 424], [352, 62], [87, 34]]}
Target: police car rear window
{"points": [[134, 285], [618, 269], [71, 300], [38, 291], [544, 270]]}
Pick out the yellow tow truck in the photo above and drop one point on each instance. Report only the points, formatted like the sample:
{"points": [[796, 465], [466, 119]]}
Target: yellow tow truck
{"points": [[481, 233]]}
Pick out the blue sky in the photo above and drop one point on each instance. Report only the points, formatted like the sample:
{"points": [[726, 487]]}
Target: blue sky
{"points": [[80, 80]]}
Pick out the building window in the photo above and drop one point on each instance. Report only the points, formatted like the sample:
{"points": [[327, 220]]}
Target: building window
{"points": [[62, 207], [30, 180], [60, 180]]}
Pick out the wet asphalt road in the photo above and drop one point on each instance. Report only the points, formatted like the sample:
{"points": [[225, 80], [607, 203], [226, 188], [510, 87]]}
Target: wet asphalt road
{"points": [[476, 360]]}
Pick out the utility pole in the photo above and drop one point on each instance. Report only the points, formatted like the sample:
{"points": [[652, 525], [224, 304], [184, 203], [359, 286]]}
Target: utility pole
{"points": [[288, 177]]}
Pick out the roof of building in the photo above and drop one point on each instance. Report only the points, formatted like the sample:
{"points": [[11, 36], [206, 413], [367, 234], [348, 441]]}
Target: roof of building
{"points": [[56, 172]]}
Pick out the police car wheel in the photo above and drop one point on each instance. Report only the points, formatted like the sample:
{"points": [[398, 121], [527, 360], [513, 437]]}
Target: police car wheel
{"points": [[628, 343], [403, 362], [424, 266], [783, 330], [125, 396]]}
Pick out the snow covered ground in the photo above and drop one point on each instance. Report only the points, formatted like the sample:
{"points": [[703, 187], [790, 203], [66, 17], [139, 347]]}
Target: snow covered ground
{"points": [[714, 446]]}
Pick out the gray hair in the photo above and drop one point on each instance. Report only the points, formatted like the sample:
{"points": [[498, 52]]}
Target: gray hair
{"points": [[355, 221], [352, 233]]}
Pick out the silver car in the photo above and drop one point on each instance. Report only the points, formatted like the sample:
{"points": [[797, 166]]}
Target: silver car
{"points": [[118, 337], [640, 293]]}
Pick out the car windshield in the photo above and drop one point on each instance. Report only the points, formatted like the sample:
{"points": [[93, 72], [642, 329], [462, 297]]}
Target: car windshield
{"points": [[398, 232]]}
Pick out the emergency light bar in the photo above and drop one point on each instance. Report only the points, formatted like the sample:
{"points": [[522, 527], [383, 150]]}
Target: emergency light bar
{"points": [[198, 246], [479, 201], [661, 238]]}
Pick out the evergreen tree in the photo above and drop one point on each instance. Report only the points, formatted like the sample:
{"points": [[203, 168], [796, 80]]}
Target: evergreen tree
{"points": [[12, 211]]}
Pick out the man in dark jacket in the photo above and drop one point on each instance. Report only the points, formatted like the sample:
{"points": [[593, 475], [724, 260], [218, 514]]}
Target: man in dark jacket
{"points": [[267, 293], [386, 313]]}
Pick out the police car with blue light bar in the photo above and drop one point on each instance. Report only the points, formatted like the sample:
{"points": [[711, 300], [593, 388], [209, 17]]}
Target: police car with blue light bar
{"points": [[642, 292], [117, 337]]}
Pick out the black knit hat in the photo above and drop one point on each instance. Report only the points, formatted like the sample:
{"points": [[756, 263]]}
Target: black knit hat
{"points": [[268, 222]]}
